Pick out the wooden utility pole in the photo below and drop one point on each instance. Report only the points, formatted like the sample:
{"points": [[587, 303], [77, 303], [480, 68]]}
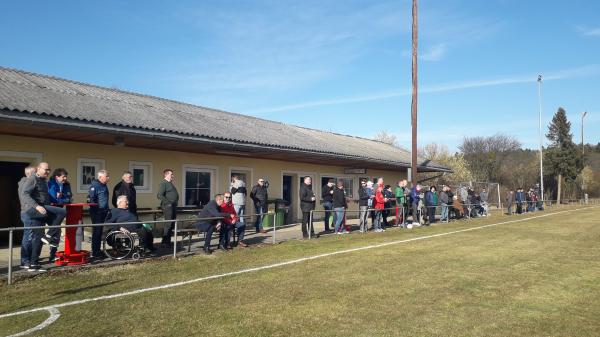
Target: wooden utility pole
{"points": [[414, 95]]}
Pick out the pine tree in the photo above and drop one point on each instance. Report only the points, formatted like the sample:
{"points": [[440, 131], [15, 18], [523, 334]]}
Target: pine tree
{"points": [[562, 158]]}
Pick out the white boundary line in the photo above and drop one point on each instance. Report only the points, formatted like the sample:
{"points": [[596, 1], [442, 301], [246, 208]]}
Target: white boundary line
{"points": [[53, 308], [54, 315]]}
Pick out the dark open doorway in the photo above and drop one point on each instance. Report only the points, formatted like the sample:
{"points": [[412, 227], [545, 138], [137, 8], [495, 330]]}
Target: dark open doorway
{"points": [[288, 193], [10, 208]]}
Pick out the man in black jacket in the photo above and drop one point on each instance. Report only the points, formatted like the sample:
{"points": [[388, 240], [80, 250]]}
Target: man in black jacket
{"points": [[363, 206], [339, 207], [327, 195], [307, 204], [209, 220], [260, 197], [125, 187]]}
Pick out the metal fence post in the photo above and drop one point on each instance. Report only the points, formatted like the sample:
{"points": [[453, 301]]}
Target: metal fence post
{"points": [[274, 225], [175, 243], [309, 225], [10, 256]]}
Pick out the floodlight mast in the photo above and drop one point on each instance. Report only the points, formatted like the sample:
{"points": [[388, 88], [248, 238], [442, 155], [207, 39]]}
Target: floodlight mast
{"points": [[539, 80]]}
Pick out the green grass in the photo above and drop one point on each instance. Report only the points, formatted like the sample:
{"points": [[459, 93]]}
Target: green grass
{"points": [[539, 277]]}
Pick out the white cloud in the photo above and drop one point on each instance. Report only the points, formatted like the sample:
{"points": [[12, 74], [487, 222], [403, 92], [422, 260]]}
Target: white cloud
{"points": [[435, 53], [594, 32], [585, 71], [280, 45]]}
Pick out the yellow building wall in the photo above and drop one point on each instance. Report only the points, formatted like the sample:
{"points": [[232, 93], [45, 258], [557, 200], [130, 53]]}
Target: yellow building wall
{"points": [[66, 154]]}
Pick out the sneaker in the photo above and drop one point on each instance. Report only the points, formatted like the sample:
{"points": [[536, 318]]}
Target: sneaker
{"points": [[25, 266], [50, 241], [339, 233], [36, 268]]}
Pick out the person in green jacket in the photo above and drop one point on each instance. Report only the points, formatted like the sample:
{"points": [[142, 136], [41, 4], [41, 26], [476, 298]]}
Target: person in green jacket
{"points": [[401, 205]]}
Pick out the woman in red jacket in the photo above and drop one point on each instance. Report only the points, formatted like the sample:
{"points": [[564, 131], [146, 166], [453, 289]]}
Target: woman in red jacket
{"points": [[379, 205], [227, 223]]}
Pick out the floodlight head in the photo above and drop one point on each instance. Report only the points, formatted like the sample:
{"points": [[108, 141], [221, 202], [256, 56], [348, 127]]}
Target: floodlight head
{"points": [[584, 114], [539, 78]]}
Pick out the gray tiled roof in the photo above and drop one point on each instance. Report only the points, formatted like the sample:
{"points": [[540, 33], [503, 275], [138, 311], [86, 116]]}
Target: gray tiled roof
{"points": [[55, 97]]}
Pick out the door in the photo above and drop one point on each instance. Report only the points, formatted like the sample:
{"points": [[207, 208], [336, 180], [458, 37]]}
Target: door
{"points": [[10, 208], [288, 195]]}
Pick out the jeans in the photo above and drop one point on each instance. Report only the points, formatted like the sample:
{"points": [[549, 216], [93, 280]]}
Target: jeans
{"points": [[98, 216], [415, 212], [209, 229], [26, 241], [55, 216], [338, 218], [59, 215], [259, 209], [327, 206], [225, 234], [444, 216], [169, 213], [431, 214], [377, 221], [37, 232], [363, 216], [240, 226]]}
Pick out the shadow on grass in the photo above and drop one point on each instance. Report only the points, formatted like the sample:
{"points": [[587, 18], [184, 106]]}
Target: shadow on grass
{"points": [[60, 294]]}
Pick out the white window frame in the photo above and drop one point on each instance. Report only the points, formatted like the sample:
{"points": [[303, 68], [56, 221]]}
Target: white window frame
{"points": [[99, 164], [213, 170], [343, 176], [148, 169]]}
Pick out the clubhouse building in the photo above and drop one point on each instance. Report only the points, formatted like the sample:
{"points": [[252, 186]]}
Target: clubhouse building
{"points": [[84, 128]]}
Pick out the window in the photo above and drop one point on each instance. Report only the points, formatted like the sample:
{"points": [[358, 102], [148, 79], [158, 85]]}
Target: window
{"points": [[348, 184], [197, 186], [142, 176], [86, 173]]}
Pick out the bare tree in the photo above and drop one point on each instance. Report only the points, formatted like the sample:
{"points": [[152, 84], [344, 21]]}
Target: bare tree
{"points": [[386, 137], [485, 155], [442, 156]]}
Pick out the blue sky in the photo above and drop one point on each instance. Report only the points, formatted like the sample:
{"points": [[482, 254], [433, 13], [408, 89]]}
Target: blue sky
{"points": [[341, 66]]}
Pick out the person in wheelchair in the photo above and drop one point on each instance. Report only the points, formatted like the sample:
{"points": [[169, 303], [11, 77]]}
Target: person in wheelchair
{"points": [[122, 214]]}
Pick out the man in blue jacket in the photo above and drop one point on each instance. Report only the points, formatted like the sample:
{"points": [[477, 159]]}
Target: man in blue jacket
{"points": [[209, 220], [98, 194], [414, 200], [59, 191]]}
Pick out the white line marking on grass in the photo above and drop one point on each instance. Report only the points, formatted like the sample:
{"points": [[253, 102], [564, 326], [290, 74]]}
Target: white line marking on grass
{"points": [[271, 266], [54, 315]]}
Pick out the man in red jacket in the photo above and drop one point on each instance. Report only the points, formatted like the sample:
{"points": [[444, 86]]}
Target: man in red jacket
{"points": [[228, 223]]}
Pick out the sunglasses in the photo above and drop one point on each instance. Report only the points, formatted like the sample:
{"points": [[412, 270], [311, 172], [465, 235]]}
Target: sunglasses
{"points": [[227, 197]]}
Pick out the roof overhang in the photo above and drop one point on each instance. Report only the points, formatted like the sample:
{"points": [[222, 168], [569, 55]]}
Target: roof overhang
{"points": [[49, 127]]}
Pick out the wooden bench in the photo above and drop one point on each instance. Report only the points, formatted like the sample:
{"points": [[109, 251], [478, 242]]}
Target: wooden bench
{"points": [[189, 233]]}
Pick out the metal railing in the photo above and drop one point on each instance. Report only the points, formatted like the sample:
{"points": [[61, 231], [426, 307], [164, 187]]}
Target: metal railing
{"points": [[176, 222], [310, 227]]}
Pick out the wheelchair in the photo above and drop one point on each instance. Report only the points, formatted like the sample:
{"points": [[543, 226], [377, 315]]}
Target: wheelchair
{"points": [[118, 245]]}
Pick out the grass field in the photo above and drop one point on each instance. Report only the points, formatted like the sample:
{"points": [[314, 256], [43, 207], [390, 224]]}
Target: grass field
{"points": [[538, 277]]}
